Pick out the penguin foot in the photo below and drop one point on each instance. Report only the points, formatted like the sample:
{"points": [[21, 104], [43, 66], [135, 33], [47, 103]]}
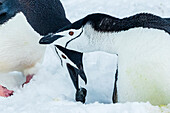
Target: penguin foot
{"points": [[4, 92], [28, 78], [81, 95]]}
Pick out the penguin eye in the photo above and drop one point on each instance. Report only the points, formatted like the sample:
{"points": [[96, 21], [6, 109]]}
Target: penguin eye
{"points": [[71, 33], [63, 56]]}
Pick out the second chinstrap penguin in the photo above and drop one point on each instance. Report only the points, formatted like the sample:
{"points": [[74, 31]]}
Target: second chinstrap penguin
{"points": [[142, 43]]}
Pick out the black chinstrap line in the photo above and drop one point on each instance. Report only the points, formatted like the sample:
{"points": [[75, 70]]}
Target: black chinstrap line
{"points": [[59, 56], [73, 39]]}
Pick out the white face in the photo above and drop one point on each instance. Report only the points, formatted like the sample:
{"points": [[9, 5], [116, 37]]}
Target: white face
{"points": [[72, 39], [64, 59]]}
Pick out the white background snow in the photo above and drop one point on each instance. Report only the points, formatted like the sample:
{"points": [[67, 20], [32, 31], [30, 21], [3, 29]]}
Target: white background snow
{"points": [[51, 90]]}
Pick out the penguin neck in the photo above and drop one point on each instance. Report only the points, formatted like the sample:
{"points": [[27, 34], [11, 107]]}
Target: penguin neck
{"points": [[98, 41], [45, 16], [130, 42]]}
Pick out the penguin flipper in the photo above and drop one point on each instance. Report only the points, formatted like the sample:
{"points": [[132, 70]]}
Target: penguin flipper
{"points": [[82, 74], [73, 75], [8, 9]]}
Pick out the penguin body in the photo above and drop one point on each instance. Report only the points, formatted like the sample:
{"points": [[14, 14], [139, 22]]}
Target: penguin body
{"points": [[22, 24], [142, 43], [20, 50], [72, 61], [21, 31]]}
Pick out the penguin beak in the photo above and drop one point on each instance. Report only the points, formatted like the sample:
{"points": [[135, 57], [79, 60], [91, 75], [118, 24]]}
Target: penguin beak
{"points": [[50, 38], [76, 58]]}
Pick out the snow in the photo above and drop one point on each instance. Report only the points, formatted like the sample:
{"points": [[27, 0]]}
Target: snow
{"points": [[51, 90]]}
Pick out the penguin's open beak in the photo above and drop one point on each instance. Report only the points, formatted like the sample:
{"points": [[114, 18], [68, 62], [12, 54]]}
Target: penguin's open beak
{"points": [[76, 58], [50, 38]]}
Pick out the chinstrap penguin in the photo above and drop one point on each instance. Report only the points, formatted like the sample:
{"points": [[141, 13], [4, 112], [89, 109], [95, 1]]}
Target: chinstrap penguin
{"points": [[72, 61], [142, 43], [22, 24]]}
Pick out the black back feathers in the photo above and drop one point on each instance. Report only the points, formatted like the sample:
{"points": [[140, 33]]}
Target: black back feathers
{"points": [[8, 9], [107, 23], [167, 19], [45, 16]]}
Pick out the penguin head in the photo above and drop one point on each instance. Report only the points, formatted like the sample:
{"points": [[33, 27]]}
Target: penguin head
{"points": [[70, 37], [82, 35], [74, 36], [8, 9], [72, 60]]}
